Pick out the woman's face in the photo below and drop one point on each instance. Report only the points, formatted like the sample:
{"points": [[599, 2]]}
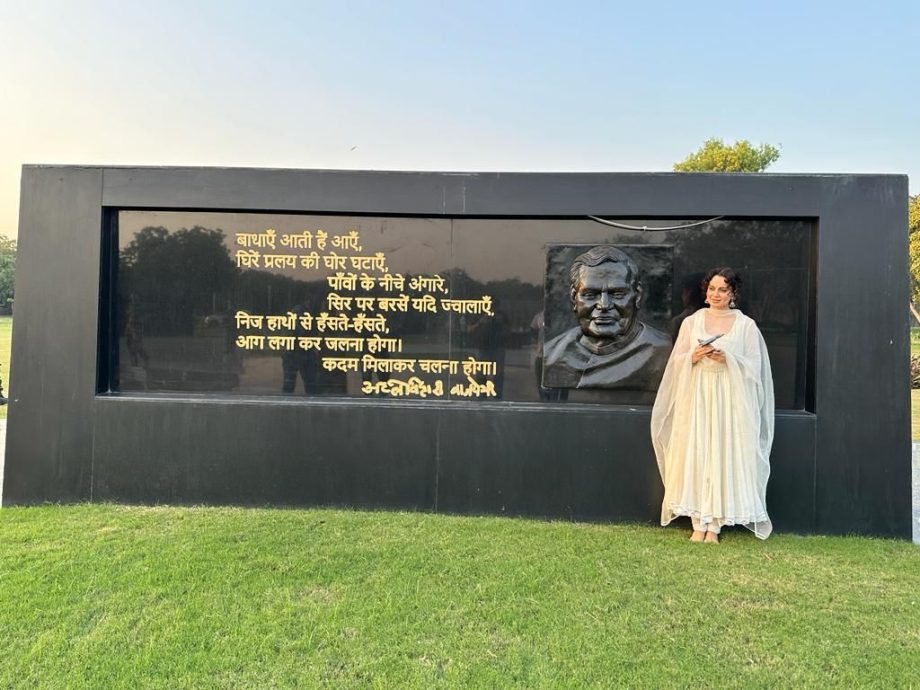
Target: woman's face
{"points": [[718, 294]]}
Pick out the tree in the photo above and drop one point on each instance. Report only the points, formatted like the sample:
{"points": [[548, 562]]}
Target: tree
{"points": [[7, 269], [913, 224], [715, 156]]}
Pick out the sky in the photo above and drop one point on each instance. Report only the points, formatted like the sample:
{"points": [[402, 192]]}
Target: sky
{"points": [[456, 86]]}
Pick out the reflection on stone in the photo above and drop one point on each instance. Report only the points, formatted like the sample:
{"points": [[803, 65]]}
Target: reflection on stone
{"points": [[610, 347], [182, 302], [692, 299]]}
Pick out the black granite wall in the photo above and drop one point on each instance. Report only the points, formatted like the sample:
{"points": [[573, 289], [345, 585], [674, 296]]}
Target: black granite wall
{"points": [[130, 384]]}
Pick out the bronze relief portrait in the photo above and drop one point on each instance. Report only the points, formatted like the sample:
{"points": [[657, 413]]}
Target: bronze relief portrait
{"points": [[608, 307]]}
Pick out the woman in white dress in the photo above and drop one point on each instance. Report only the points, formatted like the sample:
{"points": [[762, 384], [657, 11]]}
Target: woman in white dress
{"points": [[712, 422]]}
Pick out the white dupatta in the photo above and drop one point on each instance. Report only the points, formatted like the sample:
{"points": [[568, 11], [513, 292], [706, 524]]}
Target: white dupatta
{"points": [[751, 383]]}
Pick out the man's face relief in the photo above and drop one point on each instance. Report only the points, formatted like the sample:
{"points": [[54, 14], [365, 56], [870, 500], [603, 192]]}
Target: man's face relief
{"points": [[605, 302]]}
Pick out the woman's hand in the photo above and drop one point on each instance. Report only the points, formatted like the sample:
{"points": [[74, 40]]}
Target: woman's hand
{"points": [[717, 356], [700, 352], [708, 351]]}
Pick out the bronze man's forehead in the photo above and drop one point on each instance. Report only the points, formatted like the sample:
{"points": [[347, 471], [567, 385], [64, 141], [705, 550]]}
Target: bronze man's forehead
{"points": [[629, 276]]}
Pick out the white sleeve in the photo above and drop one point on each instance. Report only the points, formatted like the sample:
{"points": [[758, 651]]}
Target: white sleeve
{"points": [[749, 369], [674, 387]]}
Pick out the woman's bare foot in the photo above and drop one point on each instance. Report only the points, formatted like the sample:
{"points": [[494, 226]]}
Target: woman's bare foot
{"points": [[711, 538], [697, 535]]}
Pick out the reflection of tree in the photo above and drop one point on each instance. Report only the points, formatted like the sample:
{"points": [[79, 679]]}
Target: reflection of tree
{"points": [[7, 270], [264, 292], [177, 276], [518, 299], [913, 234], [772, 256], [514, 301]]}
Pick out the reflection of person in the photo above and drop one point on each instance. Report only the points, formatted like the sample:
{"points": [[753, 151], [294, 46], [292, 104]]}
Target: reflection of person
{"points": [[307, 364], [538, 326], [712, 423], [298, 361], [610, 347], [134, 335], [489, 334], [692, 299]]}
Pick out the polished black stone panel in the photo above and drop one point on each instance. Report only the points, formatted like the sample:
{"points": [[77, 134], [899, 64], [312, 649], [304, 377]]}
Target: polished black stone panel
{"points": [[584, 464], [222, 451], [790, 491], [53, 365], [182, 280], [189, 285], [862, 469]]}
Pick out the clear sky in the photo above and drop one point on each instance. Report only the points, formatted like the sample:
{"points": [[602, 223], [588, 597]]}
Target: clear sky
{"points": [[466, 85]]}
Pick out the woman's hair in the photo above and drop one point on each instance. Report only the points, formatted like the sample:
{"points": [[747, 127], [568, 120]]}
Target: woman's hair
{"points": [[691, 294], [732, 279]]}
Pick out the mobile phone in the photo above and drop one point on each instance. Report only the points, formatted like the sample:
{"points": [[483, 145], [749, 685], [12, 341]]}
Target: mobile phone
{"points": [[709, 341]]}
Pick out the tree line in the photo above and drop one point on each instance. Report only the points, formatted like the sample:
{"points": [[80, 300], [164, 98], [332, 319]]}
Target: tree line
{"points": [[7, 271]]}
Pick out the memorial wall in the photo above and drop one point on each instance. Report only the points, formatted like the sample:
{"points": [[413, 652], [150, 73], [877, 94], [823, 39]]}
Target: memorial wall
{"points": [[472, 343]]}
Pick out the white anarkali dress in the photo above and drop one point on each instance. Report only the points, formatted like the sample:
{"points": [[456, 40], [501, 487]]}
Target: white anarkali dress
{"points": [[712, 428]]}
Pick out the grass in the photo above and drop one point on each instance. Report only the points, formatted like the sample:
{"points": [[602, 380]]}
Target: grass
{"points": [[6, 336], [915, 414], [100, 596]]}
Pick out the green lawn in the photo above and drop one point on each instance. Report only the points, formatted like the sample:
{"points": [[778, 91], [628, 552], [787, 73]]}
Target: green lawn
{"points": [[124, 597], [915, 414]]}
